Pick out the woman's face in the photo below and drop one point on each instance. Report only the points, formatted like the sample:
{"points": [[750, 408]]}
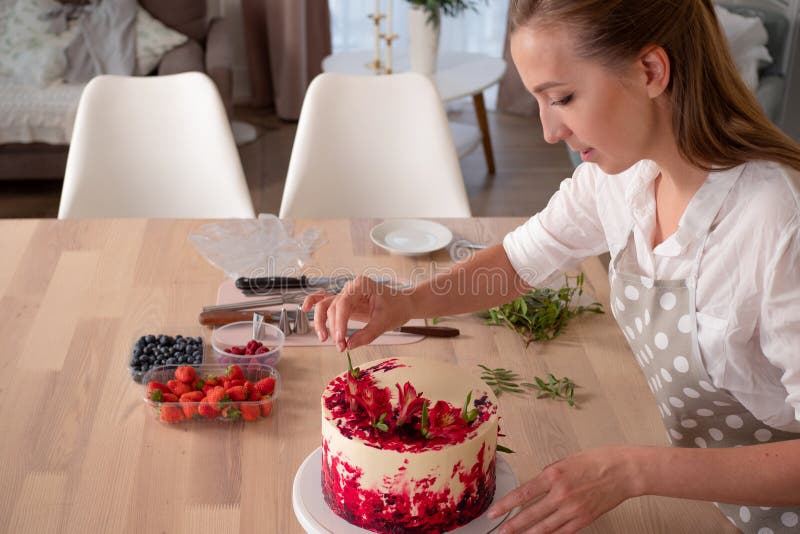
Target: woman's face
{"points": [[605, 115]]}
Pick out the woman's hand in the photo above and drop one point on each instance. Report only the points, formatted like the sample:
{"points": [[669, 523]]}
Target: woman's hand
{"points": [[379, 305], [571, 493]]}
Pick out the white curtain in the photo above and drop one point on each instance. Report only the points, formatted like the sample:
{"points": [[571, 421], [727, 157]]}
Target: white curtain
{"points": [[482, 32]]}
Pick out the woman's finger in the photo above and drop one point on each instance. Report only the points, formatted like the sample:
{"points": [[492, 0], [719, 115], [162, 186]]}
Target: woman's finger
{"points": [[321, 316], [573, 526], [530, 517], [553, 522], [341, 317], [366, 335], [313, 298], [529, 491]]}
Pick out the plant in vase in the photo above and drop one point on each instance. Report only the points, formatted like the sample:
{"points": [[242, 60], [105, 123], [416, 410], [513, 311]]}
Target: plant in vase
{"points": [[450, 8], [424, 24]]}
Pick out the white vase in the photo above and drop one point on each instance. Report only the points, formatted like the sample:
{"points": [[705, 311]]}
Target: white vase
{"points": [[423, 41]]}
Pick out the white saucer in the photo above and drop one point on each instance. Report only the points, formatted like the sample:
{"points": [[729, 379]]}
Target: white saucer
{"points": [[316, 518], [410, 236]]}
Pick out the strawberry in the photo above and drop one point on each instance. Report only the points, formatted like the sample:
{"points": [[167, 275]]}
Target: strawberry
{"points": [[250, 412], [185, 374], [198, 384], [207, 410], [216, 395], [169, 397], [254, 395], [212, 381], [226, 383], [236, 393], [157, 385], [178, 388], [192, 396], [235, 372], [189, 403], [171, 414], [266, 408], [155, 395], [266, 385]]}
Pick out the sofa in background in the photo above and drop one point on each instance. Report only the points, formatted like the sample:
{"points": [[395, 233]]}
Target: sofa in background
{"points": [[207, 50]]}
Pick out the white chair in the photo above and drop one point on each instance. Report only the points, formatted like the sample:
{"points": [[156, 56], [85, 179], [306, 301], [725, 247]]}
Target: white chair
{"points": [[153, 147], [373, 146]]}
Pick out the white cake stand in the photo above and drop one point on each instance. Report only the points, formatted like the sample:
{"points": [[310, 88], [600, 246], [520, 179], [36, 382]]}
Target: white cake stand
{"points": [[316, 518]]}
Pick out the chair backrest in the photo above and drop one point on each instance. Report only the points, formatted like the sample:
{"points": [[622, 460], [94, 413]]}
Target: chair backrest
{"points": [[373, 146], [153, 147]]}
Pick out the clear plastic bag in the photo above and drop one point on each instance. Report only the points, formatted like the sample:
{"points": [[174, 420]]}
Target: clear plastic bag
{"points": [[256, 247]]}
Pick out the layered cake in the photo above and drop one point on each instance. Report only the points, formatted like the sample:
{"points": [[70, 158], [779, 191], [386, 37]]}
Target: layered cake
{"points": [[408, 445]]}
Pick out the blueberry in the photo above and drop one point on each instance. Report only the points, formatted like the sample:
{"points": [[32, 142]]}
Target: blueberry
{"points": [[179, 346], [198, 340], [150, 338], [171, 361], [197, 353]]}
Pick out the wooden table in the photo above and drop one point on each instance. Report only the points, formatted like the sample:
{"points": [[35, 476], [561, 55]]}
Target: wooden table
{"points": [[82, 453]]}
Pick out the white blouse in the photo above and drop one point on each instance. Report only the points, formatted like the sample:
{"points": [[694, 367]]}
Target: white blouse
{"points": [[748, 287]]}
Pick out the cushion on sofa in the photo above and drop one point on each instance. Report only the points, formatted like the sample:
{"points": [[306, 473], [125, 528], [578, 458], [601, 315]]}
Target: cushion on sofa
{"points": [[185, 16], [153, 40], [29, 54], [747, 38]]}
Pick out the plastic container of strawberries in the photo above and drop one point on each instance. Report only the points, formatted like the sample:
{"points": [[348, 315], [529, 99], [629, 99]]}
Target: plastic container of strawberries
{"points": [[239, 334], [226, 410]]}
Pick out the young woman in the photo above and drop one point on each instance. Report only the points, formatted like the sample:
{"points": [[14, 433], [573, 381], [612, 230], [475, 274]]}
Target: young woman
{"points": [[695, 194]]}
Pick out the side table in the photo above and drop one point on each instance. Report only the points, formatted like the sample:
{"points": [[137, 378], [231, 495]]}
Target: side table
{"points": [[458, 75]]}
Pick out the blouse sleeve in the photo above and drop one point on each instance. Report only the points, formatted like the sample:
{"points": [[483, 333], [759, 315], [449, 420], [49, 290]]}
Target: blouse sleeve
{"points": [[780, 314], [562, 235]]}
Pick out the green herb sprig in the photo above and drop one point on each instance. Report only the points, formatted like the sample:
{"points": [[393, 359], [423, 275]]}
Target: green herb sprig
{"points": [[504, 380], [556, 388], [542, 314], [501, 380]]}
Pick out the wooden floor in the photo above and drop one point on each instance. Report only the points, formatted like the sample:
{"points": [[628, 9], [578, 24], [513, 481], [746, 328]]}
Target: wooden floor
{"points": [[528, 169]]}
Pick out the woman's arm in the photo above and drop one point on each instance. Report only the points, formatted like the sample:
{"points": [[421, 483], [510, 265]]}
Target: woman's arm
{"points": [[571, 493], [762, 475], [487, 279]]}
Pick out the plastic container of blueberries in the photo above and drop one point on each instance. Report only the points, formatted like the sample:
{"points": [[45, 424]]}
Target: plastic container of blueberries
{"points": [[186, 331], [227, 410], [238, 335]]}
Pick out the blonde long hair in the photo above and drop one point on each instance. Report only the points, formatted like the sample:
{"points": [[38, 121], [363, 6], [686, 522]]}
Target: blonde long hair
{"points": [[717, 120]]}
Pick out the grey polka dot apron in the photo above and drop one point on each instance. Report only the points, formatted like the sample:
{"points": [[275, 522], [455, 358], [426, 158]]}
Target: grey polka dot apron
{"points": [[658, 319]]}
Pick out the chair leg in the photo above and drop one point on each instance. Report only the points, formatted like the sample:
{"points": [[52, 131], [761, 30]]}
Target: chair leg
{"points": [[483, 121]]}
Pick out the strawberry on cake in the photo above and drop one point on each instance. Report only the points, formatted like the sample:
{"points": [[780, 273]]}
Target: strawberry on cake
{"points": [[408, 445]]}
